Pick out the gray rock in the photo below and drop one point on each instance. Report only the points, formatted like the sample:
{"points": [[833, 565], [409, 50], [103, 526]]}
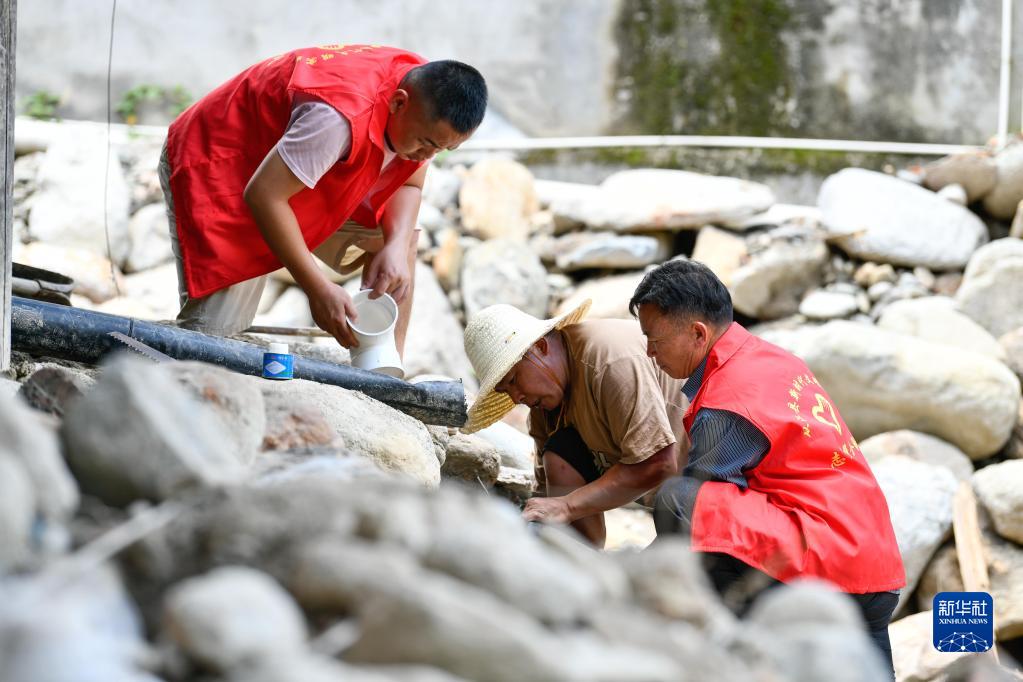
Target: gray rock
{"points": [[955, 193], [824, 304], [53, 389], [33, 445], [877, 217], [87, 629], [571, 204], [913, 649], [504, 271], [472, 459], [138, 435], [498, 554], [975, 172], [234, 398], [515, 448], [990, 292], [783, 264], [1000, 489], [315, 463], [395, 441], [668, 579], [231, 616], [814, 633], [583, 250], [918, 446], [150, 238], [521, 483], [882, 381], [920, 502], [645, 199], [9, 387], [441, 187], [441, 436], [935, 318]]}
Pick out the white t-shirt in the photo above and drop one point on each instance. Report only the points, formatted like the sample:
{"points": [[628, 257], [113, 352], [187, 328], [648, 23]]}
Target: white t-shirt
{"points": [[317, 137]]}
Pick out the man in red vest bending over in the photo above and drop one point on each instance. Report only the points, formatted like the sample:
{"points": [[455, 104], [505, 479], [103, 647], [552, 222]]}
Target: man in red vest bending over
{"points": [[321, 150], [775, 487]]}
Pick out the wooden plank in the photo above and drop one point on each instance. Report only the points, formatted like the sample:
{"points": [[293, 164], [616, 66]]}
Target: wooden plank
{"points": [[970, 545], [8, 35]]}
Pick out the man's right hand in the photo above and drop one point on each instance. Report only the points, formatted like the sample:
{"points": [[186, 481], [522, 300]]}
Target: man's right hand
{"points": [[331, 305]]}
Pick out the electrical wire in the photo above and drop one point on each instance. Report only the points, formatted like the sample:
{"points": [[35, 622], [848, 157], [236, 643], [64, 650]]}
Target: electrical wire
{"points": [[106, 168]]}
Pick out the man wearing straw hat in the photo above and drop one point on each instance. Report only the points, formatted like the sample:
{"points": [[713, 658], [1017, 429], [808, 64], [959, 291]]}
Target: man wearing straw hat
{"points": [[775, 487], [606, 421]]}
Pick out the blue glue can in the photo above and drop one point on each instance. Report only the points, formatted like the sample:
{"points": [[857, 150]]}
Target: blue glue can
{"points": [[278, 363]]}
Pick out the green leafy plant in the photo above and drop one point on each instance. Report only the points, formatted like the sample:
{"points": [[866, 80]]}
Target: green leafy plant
{"points": [[42, 105], [175, 99]]}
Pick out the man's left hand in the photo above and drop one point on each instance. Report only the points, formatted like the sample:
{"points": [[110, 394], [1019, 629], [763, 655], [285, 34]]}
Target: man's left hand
{"points": [[388, 272], [552, 510]]}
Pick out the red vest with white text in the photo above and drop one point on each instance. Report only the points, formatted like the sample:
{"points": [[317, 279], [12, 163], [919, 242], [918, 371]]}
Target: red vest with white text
{"points": [[216, 145], [813, 507]]}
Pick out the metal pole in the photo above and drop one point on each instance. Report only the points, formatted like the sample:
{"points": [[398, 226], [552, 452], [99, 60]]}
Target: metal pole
{"points": [[1006, 65], [724, 141]]}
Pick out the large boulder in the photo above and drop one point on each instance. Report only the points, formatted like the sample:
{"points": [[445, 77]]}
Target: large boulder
{"points": [[882, 381], [233, 616], [918, 446], [395, 441], [782, 265], [913, 649], [497, 199], [657, 199], [139, 435], [504, 271], [991, 293], [936, 318], [999, 488], [878, 217], [975, 172], [920, 503], [582, 250], [1012, 346], [722, 251]]}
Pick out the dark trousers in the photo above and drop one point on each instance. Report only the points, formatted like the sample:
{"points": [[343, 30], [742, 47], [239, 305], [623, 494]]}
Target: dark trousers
{"points": [[739, 584]]}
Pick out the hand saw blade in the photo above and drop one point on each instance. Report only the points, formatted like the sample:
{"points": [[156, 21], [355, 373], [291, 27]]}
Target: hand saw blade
{"points": [[141, 348]]}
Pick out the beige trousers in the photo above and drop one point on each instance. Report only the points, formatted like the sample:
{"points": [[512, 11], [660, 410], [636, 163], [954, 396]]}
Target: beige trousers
{"points": [[232, 309]]}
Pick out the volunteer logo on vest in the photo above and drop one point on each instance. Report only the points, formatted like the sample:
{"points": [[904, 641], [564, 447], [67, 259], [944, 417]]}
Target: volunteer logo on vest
{"points": [[963, 621]]}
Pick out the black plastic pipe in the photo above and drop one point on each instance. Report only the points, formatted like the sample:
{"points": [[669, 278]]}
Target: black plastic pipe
{"points": [[83, 335]]}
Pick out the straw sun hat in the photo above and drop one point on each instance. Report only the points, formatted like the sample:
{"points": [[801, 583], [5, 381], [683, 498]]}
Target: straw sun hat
{"points": [[496, 338]]}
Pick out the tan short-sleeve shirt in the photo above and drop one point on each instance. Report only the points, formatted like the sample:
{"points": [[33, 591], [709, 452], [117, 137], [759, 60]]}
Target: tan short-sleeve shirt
{"points": [[622, 405]]}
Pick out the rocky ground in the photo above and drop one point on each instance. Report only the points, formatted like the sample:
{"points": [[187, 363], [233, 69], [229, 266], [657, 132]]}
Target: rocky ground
{"points": [[181, 522]]}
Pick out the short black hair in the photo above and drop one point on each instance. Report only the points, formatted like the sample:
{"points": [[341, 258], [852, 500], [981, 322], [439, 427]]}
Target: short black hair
{"points": [[685, 289], [453, 91]]}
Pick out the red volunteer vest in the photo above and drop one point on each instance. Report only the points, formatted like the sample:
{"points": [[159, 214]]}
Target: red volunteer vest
{"points": [[216, 145], [813, 507]]}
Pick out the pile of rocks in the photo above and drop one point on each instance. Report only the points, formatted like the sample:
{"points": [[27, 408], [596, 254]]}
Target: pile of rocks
{"points": [[906, 304]]}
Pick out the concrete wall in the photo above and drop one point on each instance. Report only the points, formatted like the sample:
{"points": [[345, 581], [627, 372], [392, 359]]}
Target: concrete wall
{"points": [[919, 70]]}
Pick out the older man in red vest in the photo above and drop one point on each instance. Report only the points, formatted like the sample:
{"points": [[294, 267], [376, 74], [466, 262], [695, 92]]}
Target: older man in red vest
{"points": [[320, 150], [775, 486]]}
